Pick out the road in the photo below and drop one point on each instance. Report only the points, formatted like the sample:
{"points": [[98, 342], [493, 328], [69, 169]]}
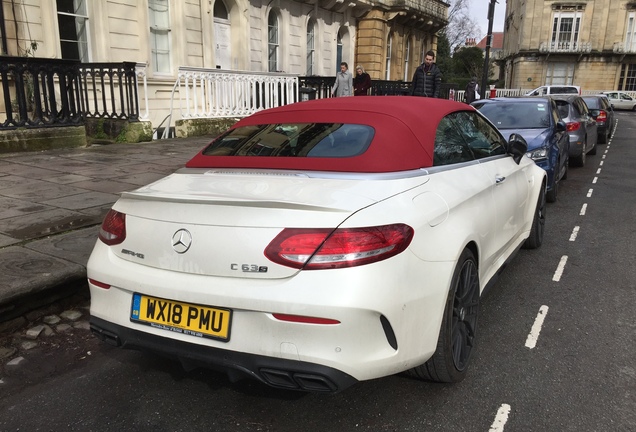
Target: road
{"points": [[555, 349]]}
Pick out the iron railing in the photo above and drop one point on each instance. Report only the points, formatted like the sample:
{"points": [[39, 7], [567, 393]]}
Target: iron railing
{"points": [[39, 93]]}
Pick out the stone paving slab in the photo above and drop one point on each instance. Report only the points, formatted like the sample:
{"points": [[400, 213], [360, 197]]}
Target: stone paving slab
{"points": [[83, 200], [75, 246], [26, 272], [41, 224]]}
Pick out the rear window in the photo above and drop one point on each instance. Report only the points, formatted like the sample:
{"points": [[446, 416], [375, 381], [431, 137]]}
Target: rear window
{"points": [[325, 140], [517, 115], [564, 108], [563, 90], [593, 103]]}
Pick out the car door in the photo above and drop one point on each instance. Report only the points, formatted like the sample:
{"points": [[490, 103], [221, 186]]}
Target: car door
{"points": [[613, 99], [509, 185], [591, 127]]}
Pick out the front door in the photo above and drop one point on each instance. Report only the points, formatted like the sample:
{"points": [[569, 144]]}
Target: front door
{"points": [[223, 49]]}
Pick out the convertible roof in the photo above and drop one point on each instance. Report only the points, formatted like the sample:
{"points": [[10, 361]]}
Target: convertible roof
{"points": [[405, 128]]}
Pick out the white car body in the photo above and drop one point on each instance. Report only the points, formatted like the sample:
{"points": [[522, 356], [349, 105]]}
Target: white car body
{"points": [[621, 100], [386, 315], [554, 89]]}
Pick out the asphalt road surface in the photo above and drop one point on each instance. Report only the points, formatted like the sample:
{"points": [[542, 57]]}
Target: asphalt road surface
{"points": [[555, 349]]}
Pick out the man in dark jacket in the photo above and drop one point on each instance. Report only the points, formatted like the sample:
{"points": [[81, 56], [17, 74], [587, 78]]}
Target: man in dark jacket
{"points": [[427, 78], [472, 89]]}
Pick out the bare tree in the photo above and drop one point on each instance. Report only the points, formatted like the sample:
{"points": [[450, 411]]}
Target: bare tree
{"points": [[461, 25]]}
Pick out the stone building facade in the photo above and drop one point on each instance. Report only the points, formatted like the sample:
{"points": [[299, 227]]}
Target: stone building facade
{"points": [[591, 43]]}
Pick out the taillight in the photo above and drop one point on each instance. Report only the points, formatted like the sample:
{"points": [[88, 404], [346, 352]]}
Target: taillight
{"points": [[324, 248], [573, 126], [113, 229], [602, 116], [305, 319], [99, 284]]}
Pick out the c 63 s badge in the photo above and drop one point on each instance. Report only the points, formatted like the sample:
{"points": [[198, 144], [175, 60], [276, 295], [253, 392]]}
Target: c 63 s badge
{"points": [[249, 268]]}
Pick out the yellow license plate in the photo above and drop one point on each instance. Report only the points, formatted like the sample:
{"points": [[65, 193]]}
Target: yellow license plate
{"points": [[185, 318]]}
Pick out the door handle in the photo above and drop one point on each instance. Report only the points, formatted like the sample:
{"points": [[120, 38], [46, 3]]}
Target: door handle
{"points": [[499, 179]]}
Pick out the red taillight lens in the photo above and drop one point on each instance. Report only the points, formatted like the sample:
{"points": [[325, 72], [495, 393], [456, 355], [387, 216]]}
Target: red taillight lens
{"points": [[99, 284], [322, 248], [305, 319], [602, 116], [573, 126], [113, 229]]}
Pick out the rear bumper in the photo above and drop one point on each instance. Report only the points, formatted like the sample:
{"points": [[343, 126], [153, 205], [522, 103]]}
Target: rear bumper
{"points": [[275, 372]]}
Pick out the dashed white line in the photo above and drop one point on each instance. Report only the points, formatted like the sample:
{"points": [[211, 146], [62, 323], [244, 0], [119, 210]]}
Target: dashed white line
{"points": [[500, 419], [583, 208], [531, 342], [601, 163], [589, 193], [598, 171], [559, 271], [594, 180], [603, 156], [575, 232]]}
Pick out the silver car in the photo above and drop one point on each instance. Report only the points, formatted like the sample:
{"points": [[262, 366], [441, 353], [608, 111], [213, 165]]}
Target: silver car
{"points": [[581, 127]]}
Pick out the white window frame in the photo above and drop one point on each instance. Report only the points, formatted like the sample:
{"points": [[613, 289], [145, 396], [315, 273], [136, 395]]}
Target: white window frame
{"points": [[80, 15], [630, 32], [407, 54], [563, 39], [160, 40], [560, 73], [389, 45], [311, 48], [273, 41]]}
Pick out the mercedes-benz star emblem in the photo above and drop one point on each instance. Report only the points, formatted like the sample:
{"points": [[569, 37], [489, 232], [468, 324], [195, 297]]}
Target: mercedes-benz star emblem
{"points": [[181, 241]]}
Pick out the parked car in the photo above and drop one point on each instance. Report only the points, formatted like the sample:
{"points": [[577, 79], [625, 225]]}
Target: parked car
{"points": [[581, 127], [554, 89], [603, 113], [621, 100], [537, 120], [321, 243]]}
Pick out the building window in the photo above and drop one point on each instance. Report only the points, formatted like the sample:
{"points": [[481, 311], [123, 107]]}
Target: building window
{"points": [[72, 23], [220, 11], [407, 54], [560, 73], [310, 48], [338, 51], [630, 36], [272, 41], [389, 43], [565, 30], [159, 18], [627, 81]]}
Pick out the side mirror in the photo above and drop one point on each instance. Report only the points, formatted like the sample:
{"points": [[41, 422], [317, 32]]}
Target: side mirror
{"points": [[517, 147], [560, 126]]}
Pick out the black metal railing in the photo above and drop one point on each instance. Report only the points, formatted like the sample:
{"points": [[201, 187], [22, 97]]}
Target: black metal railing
{"points": [[39, 92], [322, 87], [109, 90]]}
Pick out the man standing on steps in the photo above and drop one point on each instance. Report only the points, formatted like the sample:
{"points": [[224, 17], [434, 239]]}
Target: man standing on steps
{"points": [[427, 79]]}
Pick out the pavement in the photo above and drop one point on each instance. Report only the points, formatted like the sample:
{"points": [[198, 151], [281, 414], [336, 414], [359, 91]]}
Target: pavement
{"points": [[51, 206]]}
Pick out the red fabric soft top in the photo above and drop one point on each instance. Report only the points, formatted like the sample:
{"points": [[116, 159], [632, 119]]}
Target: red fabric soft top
{"points": [[405, 128]]}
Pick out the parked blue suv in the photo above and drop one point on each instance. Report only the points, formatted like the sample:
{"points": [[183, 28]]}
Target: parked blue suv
{"points": [[537, 120]]}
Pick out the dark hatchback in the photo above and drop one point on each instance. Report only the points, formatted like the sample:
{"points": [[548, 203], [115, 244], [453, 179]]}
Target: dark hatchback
{"points": [[537, 120], [603, 113]]}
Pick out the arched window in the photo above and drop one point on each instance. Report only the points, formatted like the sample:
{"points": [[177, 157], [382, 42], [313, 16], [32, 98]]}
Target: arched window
{"points": [[310, 48], [220, 11], [272, 41], [389, 43], [407, 54]]}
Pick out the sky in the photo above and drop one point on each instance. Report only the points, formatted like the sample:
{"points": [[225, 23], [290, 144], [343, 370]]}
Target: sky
{"points": [[479, 9]]}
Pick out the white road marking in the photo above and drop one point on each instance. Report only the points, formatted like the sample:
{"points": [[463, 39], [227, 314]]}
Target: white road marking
{"points": [[559, 271], [589, 193], [603, 156], [594, 180], [601, 164], [598, 171], [606, 150], [583, 208], [531, 342], [575, 232], [500, 419]]}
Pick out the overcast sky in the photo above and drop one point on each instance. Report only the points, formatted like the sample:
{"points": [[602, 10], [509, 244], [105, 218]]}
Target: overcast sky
{"points": [[479, 9]]}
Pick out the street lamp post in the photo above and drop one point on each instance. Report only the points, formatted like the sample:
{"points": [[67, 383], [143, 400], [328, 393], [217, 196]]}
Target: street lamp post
{"points": [[484, 77]]}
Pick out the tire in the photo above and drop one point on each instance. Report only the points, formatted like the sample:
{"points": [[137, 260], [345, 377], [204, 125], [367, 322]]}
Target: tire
{"points": [[535, 240], [456, 340], [578, 161]]}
